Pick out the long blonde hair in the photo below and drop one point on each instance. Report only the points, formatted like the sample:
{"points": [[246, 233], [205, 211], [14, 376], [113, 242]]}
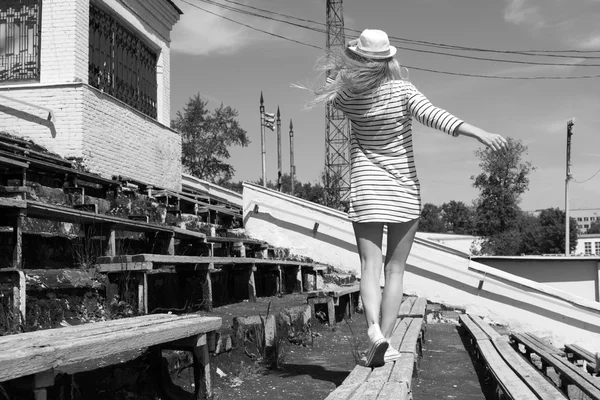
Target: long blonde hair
{"points": [[354, 73]]}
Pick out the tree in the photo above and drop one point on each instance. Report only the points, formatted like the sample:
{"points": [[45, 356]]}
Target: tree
{"points": [[531, 235], [206, 138], [431, 219], [504, 179], [458, 217], [552, 222], [594, 227]]}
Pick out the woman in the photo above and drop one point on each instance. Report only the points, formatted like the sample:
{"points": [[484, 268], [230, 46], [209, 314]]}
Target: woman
{"points": [[366, 85]]}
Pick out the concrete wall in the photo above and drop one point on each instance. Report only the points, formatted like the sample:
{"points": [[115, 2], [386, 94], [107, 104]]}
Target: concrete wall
{"points": [[111, 137], [576, 275], [441, 274], [464, 243]]}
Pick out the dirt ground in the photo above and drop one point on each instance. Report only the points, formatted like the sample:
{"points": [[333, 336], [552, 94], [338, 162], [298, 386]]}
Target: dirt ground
{"points": [[309, 371]]}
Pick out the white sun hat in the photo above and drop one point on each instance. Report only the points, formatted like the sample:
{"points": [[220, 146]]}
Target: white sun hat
{"points": [[373, 44]]}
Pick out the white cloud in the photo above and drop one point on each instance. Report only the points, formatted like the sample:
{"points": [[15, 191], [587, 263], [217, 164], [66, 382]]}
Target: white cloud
{"points": [[571, 23], [522, 12], [201, 33]]}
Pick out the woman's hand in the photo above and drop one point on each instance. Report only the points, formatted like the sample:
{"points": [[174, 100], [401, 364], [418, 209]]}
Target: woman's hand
{"points": [[491, 140]]}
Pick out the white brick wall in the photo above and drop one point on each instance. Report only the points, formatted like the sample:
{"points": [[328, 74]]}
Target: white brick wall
{"points": [[112, 138], [63, 136], [64, 41], [120, 141]]}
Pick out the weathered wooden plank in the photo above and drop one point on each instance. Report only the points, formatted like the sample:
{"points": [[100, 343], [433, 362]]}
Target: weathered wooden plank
{"points": [[124, 267], [343, 392], [399, 332], [394, 390], [344, 290], [381, 374], [511, 384], [403, 369], [41, 338], [412, 337], [579, 353], [472, 327], [367, 391], [57, 352], [418, 308], [405, 307], [202, 375], [586, 383], [571, 373], [43, 279], [546, 346], [359, 374], [530, 375], [485, 327]]}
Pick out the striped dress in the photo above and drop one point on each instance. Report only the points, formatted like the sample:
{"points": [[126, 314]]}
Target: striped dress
{"points": [[383, 179]]}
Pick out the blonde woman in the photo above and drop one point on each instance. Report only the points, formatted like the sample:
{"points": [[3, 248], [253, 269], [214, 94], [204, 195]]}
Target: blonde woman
{"points": [[365, 83]]}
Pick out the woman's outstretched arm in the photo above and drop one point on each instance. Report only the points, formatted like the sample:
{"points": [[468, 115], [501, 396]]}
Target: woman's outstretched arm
{"points": [[492, 140]]}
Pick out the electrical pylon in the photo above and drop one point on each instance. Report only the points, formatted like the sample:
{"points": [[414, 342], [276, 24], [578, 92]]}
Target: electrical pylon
{"points": [[337, 127]]}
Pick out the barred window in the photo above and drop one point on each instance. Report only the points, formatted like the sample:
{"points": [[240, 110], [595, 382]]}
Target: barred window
{"points": [[20, 40], [587, 248], [121, 64]]}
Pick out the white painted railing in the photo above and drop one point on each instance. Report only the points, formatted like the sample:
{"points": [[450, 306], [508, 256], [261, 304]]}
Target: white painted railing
{"points": [[440, 273]]}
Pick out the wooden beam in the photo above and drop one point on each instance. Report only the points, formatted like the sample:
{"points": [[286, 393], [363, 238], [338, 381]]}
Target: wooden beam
{"points": [[202, 375], [251, 284], [18, 240]]}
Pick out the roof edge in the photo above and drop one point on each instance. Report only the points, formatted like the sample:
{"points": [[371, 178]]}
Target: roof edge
{"points": [[175, 7]]}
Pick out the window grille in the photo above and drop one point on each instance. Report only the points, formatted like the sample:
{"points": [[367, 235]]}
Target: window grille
{"points": [[20, 40], [597, 245], [121, 64], [588, 248]]}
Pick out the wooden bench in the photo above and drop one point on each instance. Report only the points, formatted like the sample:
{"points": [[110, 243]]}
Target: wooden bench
{"points": [[141, 265], [550, 356], [516, 378], [42, 354], [394, 379], [577, 353], [344, 297], [14, 212]]}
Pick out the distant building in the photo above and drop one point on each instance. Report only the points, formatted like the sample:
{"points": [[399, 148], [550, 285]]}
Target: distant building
{"points": [[588, 245], [584, 217], [90, 80]]}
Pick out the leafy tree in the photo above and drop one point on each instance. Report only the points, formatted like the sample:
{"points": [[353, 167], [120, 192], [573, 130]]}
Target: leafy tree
{"points": [[531, 235], [552, 222], [431, 219], [504, 179], [594, 227], [206, 138], [458, 217]]}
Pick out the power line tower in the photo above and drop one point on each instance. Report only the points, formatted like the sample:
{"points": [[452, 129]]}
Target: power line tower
{"points": [[337, 127]]}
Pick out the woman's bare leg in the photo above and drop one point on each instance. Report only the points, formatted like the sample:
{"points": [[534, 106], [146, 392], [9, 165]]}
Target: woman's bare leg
{"points": [[368, 240], [399, 242]]}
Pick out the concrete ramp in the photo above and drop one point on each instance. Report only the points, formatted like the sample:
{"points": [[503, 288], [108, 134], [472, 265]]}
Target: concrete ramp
{"points": [[439, 273]]}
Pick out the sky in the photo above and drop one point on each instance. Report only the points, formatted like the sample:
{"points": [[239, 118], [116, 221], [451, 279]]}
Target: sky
{"points": [[229, 63]]}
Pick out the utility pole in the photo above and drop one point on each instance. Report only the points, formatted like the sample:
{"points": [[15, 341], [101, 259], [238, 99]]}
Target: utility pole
{"points": [[263, 151], [292, 166], [570, 124], [278, 149], [337, 127]]}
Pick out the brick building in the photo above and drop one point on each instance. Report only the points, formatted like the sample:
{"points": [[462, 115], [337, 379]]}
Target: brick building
{"points": [[90, 79]]}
